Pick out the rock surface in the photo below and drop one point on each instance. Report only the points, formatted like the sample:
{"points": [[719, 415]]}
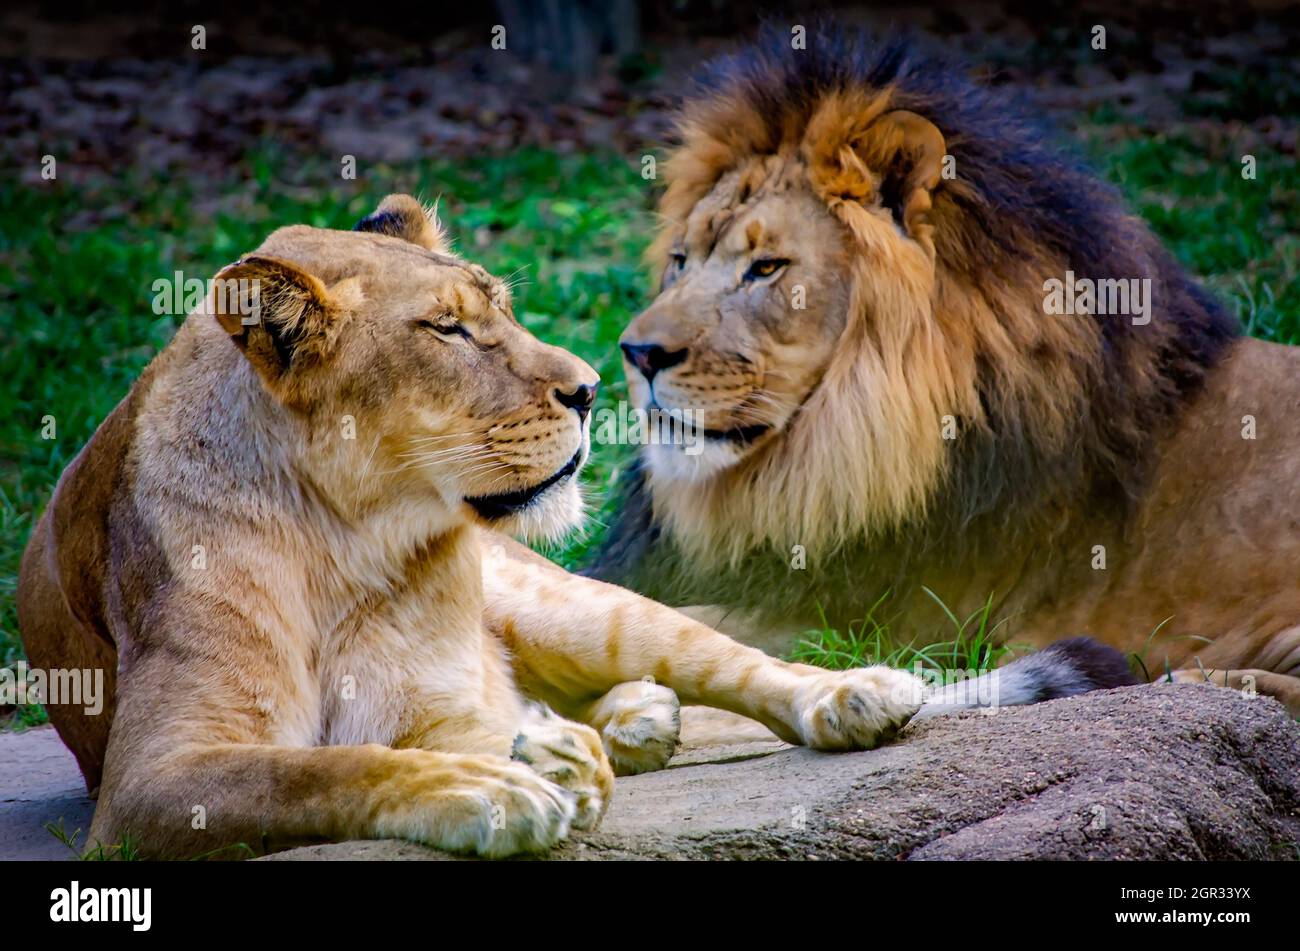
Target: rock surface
{"points": [[1169, 772], [39, 784]]}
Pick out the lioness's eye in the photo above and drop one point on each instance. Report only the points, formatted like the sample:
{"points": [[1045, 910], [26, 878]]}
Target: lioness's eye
{"points": [[445, 327], [765, 267], [678, 259]]}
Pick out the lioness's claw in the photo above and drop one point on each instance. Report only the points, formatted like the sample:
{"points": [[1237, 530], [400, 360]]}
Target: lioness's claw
{"points": [[569, 755]]}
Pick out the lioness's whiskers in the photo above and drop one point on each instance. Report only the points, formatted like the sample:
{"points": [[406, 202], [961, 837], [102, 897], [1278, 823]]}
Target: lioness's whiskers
{"points": [[489, 468], [498, 480], [454, 452], [425, 440], [424, 458]]}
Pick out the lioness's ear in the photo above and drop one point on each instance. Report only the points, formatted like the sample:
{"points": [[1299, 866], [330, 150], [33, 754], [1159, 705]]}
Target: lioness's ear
{"points": [[401, 216], [905, 151], [272, 309]]}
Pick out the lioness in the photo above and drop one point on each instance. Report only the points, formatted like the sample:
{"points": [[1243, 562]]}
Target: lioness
{"points": [[864, 258], [282, 548]]}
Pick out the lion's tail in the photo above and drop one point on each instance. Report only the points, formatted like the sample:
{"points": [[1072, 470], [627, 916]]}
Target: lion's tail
{"points": [[1064, 669]]}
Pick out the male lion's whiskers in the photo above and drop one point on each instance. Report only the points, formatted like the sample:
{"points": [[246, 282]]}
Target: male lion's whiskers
{"points": [[777, 408], [749, 414], [764, 396], [780, 406]]}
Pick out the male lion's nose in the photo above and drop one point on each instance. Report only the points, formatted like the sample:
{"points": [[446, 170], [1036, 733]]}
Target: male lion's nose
{"points": [[580, 398], [650, 358]]}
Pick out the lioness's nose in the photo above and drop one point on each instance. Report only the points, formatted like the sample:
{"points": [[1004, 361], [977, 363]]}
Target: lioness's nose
{"points": [[579, 398], [650, 358]]}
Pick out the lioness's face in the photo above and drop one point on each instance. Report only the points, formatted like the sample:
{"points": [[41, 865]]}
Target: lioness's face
{"points": [[754, 298], [424, 383]]}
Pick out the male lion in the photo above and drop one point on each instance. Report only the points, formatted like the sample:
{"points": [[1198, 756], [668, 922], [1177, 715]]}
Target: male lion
{"points": [[857, 249], [281, 547]]}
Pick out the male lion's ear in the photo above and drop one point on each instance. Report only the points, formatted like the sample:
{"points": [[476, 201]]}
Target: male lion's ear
{"points": [[401, 216], [272, 309], [906, 152]]}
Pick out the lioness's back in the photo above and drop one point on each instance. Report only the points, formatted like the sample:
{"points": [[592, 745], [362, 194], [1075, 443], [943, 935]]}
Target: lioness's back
{"points": [[62, 604]]}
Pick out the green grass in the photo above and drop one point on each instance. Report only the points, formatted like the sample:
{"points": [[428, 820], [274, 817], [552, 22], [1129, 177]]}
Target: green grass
{"points": [[128, 850], [77, 264], [1240, 236], [970, 645]]}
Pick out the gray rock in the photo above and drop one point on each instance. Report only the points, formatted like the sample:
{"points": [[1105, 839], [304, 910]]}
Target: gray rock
{"points": [[39, 784], [1168, 772]]}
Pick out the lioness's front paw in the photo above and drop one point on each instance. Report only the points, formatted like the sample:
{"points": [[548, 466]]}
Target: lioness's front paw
{"points": [[570, 755], [640, 723], [482, 804], [856, 709]]}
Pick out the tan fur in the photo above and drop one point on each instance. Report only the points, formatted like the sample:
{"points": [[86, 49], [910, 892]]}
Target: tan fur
{"points": [[312, 633], [855, 388]]}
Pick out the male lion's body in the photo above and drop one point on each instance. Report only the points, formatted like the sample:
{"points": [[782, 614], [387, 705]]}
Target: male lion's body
{"points": [[280, 549], [858, 246]]}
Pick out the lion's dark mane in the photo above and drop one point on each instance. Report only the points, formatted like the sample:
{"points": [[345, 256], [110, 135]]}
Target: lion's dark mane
{"points": [[1026, 195]]}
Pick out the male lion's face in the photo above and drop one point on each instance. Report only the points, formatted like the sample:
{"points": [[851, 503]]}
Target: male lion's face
{"points": [[414, 375], [754, 297]]}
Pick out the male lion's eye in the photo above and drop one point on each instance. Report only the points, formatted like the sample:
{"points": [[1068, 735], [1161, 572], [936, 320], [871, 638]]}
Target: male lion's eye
{"points": [[765, 267]]}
